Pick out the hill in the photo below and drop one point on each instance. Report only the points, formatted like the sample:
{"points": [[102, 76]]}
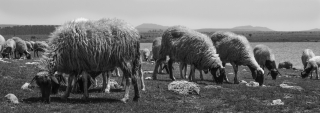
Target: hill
{"points": [[315, 29], [251, 28], [149, 26], [7, 25]]}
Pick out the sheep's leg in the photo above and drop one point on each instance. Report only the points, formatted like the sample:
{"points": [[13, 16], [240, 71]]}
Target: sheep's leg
{"points": [[117, 72], [85, 77], [143, 87], [160, 68], [311, 73], [156, 68], [104, 84], [136, 88], [201, 75], [235, 68], [225, 77], [191, 75], [317, 75], [71, 80], [170, 62], [127, 88], [182, 67]]}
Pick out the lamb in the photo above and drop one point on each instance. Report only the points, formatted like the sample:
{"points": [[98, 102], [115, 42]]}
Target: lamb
{"points": [[191, 47], [21, 48], [145, 53], [265, 58], [306, 55], [9, 48], [95, 47], [39, 46], [312, 64], [236, 50]]}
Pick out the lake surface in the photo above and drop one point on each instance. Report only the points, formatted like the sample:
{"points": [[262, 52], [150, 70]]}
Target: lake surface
{"points": [[284, 51]]}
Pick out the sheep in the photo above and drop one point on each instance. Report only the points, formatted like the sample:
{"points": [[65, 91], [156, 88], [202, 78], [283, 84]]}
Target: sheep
{"points": [[306, 55], [95, 47], [2, 42], [182, 44], [39, 46], [312, 64], [236, 50], [265, 58], [156, 46], [21, 48], [145, 53], [8, 48], [29, 46], [286, 65]]}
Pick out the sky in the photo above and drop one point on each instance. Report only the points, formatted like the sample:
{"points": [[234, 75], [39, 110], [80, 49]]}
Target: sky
{"points": [[279, 15]]}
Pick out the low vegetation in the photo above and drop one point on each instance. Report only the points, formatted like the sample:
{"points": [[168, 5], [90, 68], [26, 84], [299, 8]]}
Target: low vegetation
{"points": [[157, 98]]}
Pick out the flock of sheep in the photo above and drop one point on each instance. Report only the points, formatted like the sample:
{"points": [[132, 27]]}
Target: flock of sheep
{"points": [[84, 49], [15, 47]]}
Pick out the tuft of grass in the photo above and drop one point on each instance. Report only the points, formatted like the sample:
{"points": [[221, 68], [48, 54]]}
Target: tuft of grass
{"points": [[156, 98]]}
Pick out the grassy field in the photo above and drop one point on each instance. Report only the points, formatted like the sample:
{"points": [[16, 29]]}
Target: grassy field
{"points": [[156, 98]]}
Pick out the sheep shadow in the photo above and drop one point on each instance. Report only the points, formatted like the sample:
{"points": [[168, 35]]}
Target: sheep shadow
{"points": [[73, 100]]}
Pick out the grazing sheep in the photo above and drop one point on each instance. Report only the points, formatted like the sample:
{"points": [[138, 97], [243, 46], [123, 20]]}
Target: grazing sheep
{"points": [[236, 50], [21, 48], [306, 55], [39, 46], [286, 65], [191, 47], [265, 58], [96, 47], [156, 46], [8, 48], [312, 64], [29, 46], [2, 42], [145, 53]]}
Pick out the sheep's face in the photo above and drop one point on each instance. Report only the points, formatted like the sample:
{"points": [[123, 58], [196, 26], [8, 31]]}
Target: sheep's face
{"points": [[274, 74], [218, 75], [305, 73], [28, 56], [48, 84], [260, 76]]}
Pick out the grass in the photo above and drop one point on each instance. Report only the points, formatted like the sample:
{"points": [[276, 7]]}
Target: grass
{"points": [[156, 98]]}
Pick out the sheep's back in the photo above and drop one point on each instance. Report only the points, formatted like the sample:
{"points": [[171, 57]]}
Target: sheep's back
{"points": [[94, 45], [21, 45], [185, 45], [263, 53]]}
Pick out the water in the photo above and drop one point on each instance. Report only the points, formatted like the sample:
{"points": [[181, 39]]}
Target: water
{"points": [[284, 51]]}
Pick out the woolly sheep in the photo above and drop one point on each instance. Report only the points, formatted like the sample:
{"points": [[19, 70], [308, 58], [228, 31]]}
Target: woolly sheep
{"points": [[265, 58], [95, 46], [39, 46], [188, 46], [286, 65], [312, 64], [156, 46], [236, 50], [306, 55], [2, 42], [21, 47], [29, 46], [8, 48]]}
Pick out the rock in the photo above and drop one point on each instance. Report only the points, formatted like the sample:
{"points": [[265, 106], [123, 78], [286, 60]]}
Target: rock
{"points": [[283, 85], [148, 78], [114, 84], [32, 62], [277, 102], [252, 84], [244, 70], [230, 73], [184, 87], [243, 82], [25, 86], [148, 72], [12, 98], [212, 86]]}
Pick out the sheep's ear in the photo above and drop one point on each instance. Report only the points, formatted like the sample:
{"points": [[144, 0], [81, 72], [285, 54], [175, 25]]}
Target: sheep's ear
{"points": [[54, 79]]}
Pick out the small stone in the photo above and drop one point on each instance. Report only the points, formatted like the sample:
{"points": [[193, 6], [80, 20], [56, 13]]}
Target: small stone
{"points": [[12, 98]]}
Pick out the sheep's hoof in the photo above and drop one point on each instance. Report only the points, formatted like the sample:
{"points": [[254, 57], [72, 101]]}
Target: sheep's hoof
{"points": [[236, 82], [124, 100], [106, 91], [136, 98], [143, 89]]}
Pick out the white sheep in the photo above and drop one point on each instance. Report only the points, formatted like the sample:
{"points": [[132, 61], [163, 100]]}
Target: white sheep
{"points": [[95, 46], [312, 64], [306, 55], [188, 46], [39, 46], [236, 50], [21, 48], [265, 58], [145, 53], [2, 42], [9, 48]]}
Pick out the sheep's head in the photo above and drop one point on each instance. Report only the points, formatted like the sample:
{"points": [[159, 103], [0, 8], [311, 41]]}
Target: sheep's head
{"points": [[28, 55], [305, 73], [48, 84], [218, 74], [274, 73], [260, 76]]}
